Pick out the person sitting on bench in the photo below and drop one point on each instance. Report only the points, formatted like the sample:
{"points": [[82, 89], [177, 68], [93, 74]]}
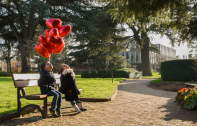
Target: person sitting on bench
{"points": [[69, 87], [47, 84]]}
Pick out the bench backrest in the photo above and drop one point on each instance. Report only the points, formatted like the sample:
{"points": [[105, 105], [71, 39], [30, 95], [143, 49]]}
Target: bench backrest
{"points": [[26, 80]]}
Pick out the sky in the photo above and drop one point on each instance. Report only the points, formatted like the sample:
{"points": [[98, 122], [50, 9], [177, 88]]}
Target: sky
{"points": [[180, 50]]}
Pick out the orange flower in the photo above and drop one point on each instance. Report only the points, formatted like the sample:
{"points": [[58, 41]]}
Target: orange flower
{"points": [[183, 90]]}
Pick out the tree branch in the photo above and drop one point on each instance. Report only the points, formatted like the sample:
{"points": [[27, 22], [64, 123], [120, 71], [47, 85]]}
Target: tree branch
{"points": [[31, 18], [21, 15], [15, 31], [15, 16], [136, 36]]}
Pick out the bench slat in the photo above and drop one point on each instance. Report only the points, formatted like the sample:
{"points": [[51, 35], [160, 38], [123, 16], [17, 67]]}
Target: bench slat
{"points": [[29, 76], [28, 83], [26, 80], [35, 96]]}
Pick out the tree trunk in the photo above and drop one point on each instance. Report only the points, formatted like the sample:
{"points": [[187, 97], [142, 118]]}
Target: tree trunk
{"points": [[25, 56], [143, 41], [10, 66], [145, 55], [7, 66]]}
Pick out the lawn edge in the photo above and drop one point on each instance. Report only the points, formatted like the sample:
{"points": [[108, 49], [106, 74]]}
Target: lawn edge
{"points": [[29, 110], [102, 99]]}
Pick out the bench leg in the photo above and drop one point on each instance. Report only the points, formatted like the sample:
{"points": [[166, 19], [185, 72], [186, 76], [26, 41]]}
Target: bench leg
{"points": [[18, 102], [45, 107]]}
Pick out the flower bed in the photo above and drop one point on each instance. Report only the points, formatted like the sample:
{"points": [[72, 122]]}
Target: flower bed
{"points": [[187, 97]]}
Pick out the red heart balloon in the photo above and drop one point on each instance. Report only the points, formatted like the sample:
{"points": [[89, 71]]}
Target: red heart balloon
{"points": [[42, 49], [54, 32], [53, 23], [64, 30], [55, 41], [47, 32], [59, 49], [42, 39]]}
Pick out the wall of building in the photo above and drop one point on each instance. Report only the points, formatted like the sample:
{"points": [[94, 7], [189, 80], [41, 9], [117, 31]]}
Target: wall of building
{"points": [[134, 56], [15, 66]]}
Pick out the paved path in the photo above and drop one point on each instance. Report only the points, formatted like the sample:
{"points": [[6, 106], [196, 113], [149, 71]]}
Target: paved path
{"points": [[135, 105]]}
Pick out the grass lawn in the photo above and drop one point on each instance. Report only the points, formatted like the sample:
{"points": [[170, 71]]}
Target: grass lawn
{"points": [[160, 80], [155, 75], [157, 78], [91, 88]]}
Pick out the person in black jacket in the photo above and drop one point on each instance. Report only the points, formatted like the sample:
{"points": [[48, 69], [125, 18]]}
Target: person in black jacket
{"points": [[47, 84], [69, 87]]}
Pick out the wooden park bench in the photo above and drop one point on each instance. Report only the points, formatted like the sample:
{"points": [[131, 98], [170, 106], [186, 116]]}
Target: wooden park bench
{"points": [[26, 80]]}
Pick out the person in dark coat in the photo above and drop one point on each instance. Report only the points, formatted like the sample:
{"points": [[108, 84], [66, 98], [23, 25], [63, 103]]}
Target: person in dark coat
{"points": [[69, 87], [47, 84]]}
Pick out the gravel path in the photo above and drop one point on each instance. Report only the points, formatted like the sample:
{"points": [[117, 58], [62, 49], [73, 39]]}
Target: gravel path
{"points": [[135, 105]]}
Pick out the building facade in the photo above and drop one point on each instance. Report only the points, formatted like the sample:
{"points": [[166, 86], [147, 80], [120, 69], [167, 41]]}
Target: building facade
{"points": [[16, 66], [133, 57]]}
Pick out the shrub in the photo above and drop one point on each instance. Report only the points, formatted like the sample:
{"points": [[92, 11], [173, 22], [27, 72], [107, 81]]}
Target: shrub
{"points": [[5, 74], [178, 70], [88, 74], [118, 73], [108, 73], [99, 73], [127, 73], [94, 74], [103, 73], [84, 74], [121, 73]]}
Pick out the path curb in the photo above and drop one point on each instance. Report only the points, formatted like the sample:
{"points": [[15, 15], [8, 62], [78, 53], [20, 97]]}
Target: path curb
{"points": [[14, 115]]}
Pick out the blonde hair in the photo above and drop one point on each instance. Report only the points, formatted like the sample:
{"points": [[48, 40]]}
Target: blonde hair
{"points": [[61, 69]]}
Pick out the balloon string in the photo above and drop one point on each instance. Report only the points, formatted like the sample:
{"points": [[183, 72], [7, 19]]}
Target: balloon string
{"points": [[49, 58]]}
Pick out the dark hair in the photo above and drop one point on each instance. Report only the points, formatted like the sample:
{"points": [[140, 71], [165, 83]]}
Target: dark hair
{"points": [[42, 66]]}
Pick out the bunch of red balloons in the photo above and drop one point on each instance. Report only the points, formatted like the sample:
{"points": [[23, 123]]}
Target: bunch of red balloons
{"points": [[52, 42]]}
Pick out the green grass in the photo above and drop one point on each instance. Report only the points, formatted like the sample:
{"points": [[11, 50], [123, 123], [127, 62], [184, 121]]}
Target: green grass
{"points": [[97, 87], [155, 75], [91, 88], [160, 80]]}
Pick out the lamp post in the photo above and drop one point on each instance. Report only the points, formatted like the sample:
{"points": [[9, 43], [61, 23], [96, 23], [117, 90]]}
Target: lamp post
{"points": [[127, 50], [108, 64]]}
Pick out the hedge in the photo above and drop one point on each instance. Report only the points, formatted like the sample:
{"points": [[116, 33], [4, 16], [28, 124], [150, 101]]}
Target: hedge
{"points": [[5, 74], [117, 73], [178, 70]]}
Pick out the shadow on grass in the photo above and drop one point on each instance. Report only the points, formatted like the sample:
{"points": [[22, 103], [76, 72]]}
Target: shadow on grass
{"points": [[7, 112]]}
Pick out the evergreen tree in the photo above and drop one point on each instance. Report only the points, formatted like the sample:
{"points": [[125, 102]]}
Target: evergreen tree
{"points": [[99, 42], [23, 16], [141, 15]]}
